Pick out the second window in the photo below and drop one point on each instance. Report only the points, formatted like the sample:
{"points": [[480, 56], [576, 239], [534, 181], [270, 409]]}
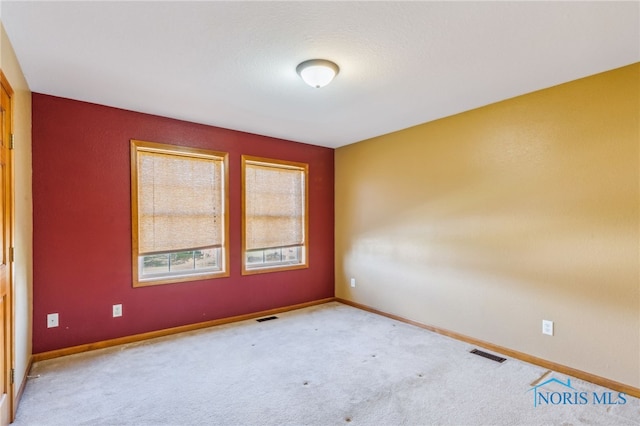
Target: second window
{"points": [[274, 215]]}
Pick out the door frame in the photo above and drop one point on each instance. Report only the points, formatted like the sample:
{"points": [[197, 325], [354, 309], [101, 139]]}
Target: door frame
{"points": [[9, 332]]}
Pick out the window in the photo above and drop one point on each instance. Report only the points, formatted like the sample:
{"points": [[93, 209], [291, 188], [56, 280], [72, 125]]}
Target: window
{"points": [[275, 215], [179, 213]]}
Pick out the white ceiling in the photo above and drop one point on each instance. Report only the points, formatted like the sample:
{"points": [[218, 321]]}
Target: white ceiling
{"points": [[232, 64]]}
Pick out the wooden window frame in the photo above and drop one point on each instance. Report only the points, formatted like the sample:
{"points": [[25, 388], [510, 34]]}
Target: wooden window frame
{"points": [[154, 147], [304, 167]]}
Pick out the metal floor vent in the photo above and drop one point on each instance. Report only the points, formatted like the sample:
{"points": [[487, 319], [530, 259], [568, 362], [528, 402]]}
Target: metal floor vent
{"points": [[266, 318], [488, 355]]}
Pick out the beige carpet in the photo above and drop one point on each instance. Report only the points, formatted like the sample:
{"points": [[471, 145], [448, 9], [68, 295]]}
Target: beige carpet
{"points": [[325, 365]]}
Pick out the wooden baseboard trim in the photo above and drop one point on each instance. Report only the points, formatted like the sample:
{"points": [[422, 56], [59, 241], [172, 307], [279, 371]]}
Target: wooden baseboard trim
{"points": [[169, 331], [592, 378]]}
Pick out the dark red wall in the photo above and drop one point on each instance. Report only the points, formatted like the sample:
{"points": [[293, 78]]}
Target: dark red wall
{"points": [[82, 227]]}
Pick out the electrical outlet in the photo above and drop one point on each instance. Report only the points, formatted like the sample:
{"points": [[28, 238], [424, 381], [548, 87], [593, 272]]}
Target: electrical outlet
{"points": [[353, 282], [52, 320], [547, 327], [117, 311]]}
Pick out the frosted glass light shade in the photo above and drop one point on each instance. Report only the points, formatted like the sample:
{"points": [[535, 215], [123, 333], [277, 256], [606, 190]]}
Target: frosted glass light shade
{"points": [[317, 72]]}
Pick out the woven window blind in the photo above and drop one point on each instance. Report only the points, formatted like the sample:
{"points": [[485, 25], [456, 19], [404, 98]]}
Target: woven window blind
{"points": [[180, 202], [274, 206]]}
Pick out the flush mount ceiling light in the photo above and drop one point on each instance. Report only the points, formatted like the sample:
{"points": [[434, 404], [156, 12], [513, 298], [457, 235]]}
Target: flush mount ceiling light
{"points": [[317, 72]]}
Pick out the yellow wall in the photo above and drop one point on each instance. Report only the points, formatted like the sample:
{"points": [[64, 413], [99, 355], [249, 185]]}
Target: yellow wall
{"points": [[23, 226], [487, 222]]}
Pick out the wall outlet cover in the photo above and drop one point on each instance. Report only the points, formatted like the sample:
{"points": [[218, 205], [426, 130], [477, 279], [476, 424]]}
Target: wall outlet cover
{"points": [[117, 310], [52, 320]]}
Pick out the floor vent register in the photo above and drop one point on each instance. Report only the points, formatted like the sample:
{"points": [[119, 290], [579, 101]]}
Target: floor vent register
{"points": [[266, 319], [488, 355]]}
